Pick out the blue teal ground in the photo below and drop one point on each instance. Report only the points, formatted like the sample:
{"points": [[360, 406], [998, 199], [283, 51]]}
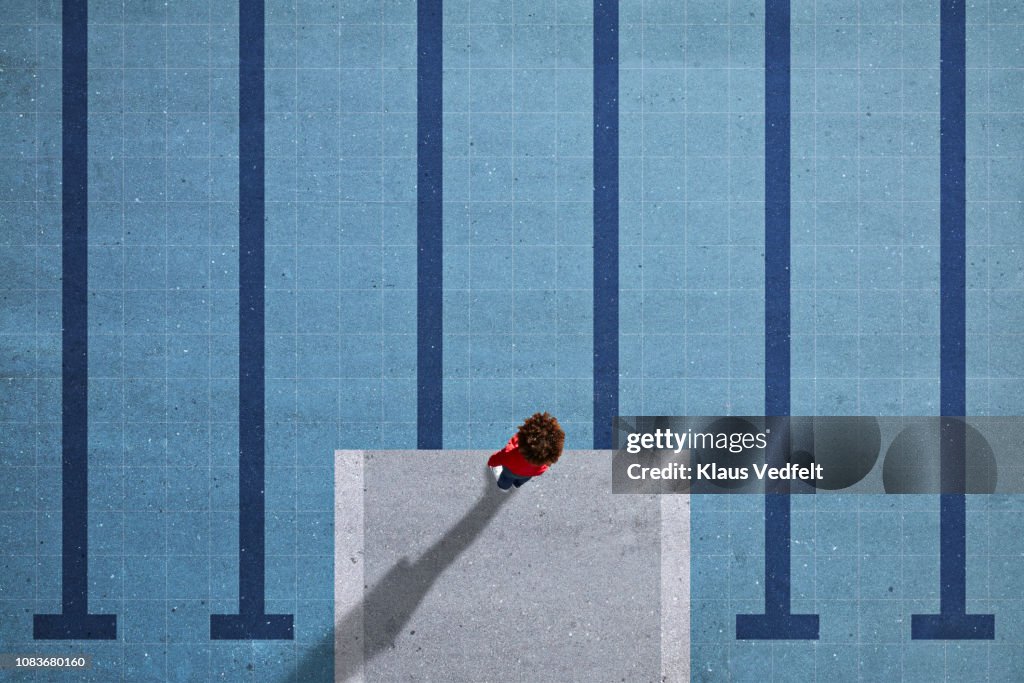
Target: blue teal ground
{"points": [[518, 282]]}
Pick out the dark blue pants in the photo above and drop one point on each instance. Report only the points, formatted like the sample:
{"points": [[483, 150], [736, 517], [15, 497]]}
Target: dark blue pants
{"points": [[507, 480]]}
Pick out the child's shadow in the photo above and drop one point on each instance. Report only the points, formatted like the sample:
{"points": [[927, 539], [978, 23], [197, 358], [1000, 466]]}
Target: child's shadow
{"points": [[389, 605]]}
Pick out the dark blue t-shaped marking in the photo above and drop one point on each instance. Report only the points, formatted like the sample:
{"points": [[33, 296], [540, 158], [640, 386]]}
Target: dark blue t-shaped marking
{"points": [[74, 622], [252, 622], [952, 622], [777, 622]]}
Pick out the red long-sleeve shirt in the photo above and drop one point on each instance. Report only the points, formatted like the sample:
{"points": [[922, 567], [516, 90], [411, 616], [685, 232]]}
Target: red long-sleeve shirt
{"points": [[511, 458]]}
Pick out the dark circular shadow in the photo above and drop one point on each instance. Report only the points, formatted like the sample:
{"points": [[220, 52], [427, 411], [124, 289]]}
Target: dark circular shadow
{"points": [[847, 448], [913, 462]]}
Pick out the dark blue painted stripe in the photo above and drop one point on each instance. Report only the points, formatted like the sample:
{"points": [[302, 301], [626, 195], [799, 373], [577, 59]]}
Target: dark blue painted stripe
{"points": [[777, 208], [74, 306], [75, 622], [953, 622], [606, 219], [953, 210], [429, 227], [251, 356], [251, 623], [777, 622]]}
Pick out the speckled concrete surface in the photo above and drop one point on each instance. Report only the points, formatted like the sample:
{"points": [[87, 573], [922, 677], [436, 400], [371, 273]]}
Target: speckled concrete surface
{"points": [[557, 581]]}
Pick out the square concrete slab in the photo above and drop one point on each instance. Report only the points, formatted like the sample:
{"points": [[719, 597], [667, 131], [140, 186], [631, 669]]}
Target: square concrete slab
{"points": [[557, 581]]}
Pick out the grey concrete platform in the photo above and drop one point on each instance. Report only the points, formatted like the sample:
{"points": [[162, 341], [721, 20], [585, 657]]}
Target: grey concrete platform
{"points": [[557, 581]]}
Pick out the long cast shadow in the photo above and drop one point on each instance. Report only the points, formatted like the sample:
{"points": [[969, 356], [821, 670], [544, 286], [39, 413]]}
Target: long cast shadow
{"points": [[372, 627]]}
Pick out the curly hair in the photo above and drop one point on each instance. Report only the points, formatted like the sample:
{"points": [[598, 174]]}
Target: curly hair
{"points": [[541, 439]]}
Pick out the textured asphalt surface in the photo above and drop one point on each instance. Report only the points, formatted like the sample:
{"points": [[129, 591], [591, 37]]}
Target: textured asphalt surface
{"points": [[556, 581]]}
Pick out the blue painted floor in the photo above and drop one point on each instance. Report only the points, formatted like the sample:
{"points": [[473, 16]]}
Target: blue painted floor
{"points": [[341, 295]]}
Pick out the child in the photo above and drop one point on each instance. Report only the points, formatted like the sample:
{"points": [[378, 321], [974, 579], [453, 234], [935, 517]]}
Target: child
{"points": [[535, 447]]}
